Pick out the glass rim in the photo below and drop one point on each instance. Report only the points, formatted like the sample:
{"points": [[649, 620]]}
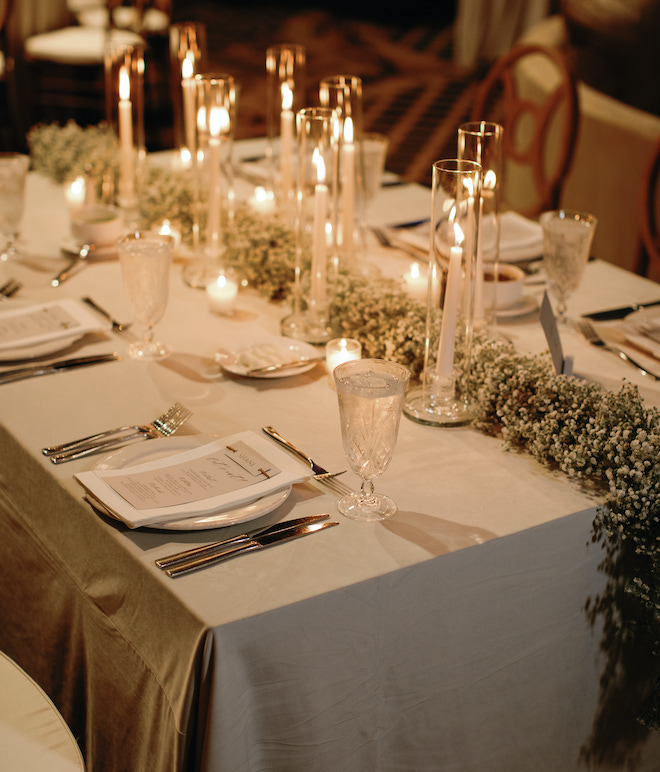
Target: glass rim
{"points": [[142, 236], [379, 363], [481, 128], [460, 166], [576, 215]]}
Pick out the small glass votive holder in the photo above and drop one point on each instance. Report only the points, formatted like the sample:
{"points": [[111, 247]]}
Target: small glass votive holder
{"points": [[222, 291], [338, 351]]}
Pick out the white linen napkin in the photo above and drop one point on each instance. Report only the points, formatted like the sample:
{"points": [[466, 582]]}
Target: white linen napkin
{"points": [[227, 472], [520, 238], [22, 326]]}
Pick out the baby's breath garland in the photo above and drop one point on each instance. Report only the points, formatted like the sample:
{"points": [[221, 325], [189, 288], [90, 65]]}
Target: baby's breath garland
{"points": [[607, 441]]}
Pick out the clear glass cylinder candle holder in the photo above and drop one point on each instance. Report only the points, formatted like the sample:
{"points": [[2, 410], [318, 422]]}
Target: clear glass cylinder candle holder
{"points": [[444, 396], [343, 93], [285, 97], [481, 141], [188, 57], [213, 179], [314, 226], [124, 95]]}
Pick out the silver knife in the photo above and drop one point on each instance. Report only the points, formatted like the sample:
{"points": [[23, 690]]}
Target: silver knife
{"points": [[256, 543], [218, 546], [117, 326], [20, 373], [319, 471], [285, 365], [619, 313]]}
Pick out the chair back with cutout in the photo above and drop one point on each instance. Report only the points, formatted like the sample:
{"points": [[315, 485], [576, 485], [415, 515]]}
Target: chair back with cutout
{"points": [[540, 125]]}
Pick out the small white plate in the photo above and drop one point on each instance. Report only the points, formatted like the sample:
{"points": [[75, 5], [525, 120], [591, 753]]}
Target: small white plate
{"points": [[524, 306], [152, 450], [631, 325], [270, 352], [101, 251]]}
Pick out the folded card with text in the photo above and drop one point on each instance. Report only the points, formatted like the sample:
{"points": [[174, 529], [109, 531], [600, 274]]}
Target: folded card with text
{"points": [[227, 472], [29, 325]]}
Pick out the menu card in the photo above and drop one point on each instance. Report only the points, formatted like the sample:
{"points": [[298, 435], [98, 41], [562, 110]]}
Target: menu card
{"points": [[213, 477], [28, 325]]}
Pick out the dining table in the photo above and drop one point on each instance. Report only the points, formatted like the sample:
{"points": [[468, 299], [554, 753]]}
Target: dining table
{"points": [[455, 635]]}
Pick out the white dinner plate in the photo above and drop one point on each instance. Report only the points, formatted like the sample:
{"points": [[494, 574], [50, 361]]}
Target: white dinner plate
{"points": [[270, 352], [632, 330], [523, 307], [152, 450], [42, 348]]}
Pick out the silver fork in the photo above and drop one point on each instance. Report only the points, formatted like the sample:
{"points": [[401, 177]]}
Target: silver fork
{"points": [[387, 241], [587, 329], [163, 426]]}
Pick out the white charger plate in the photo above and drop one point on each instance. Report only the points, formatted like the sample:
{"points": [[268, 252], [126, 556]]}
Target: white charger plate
{"points": [[240, 360], [152, 450]]}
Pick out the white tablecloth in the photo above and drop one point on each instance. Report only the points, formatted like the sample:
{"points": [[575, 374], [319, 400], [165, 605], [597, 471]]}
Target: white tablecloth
{"points": [[452, 637]]}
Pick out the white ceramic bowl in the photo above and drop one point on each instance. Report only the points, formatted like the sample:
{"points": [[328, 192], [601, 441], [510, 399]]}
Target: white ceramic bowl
{"points": [[97, 224], [509, 285]]}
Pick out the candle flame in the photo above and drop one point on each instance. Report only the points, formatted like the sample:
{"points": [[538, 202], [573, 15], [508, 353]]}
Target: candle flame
{"points": [[218, 121], [186, 156], [458, 234], [165, 229], [222, 281], [124, 84], [287, 97], [414, 271], [187, 67], [490, 180], [348, 129], [201, 118], [320, 165]]}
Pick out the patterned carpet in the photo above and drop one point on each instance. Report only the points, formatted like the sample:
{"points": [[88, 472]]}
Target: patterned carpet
{"points": [[412, 90]]}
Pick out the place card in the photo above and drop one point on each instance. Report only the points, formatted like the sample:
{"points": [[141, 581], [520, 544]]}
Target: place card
{"points": [[207, 479], [30, 325], [563, 366]]}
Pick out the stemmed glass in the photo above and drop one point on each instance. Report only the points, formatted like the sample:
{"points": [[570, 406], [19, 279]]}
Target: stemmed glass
{"points": [[13, 172], [145, 259], [567, 237], [370, 393]]}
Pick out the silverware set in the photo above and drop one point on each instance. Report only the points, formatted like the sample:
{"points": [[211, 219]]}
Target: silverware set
{"points": [[164, 425], [209, 554], [589, 332]]}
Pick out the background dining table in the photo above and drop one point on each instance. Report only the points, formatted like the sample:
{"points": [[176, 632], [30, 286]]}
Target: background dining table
{"points": [[454, 636]]}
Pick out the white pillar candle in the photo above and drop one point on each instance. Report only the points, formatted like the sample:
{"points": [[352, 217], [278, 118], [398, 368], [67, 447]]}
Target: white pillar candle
{"points": [[348, 193], [126, 181], [319, 243], [286, 141], [218, 122], [221, 294], [188, 87], [445, 364], [479, 311], [341, 350]]}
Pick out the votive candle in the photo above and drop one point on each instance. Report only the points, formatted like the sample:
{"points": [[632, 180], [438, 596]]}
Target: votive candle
{"points": [[221, 294], [340, 350]]}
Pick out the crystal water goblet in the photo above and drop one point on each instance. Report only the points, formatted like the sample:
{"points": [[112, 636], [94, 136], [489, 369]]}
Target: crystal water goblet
{"points": [[145, 259], [370, 394], [13, 173], [567, 237]]}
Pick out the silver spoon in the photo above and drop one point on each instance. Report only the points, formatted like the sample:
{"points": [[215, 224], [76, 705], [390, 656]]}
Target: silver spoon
{"points": [[82, 254]]}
